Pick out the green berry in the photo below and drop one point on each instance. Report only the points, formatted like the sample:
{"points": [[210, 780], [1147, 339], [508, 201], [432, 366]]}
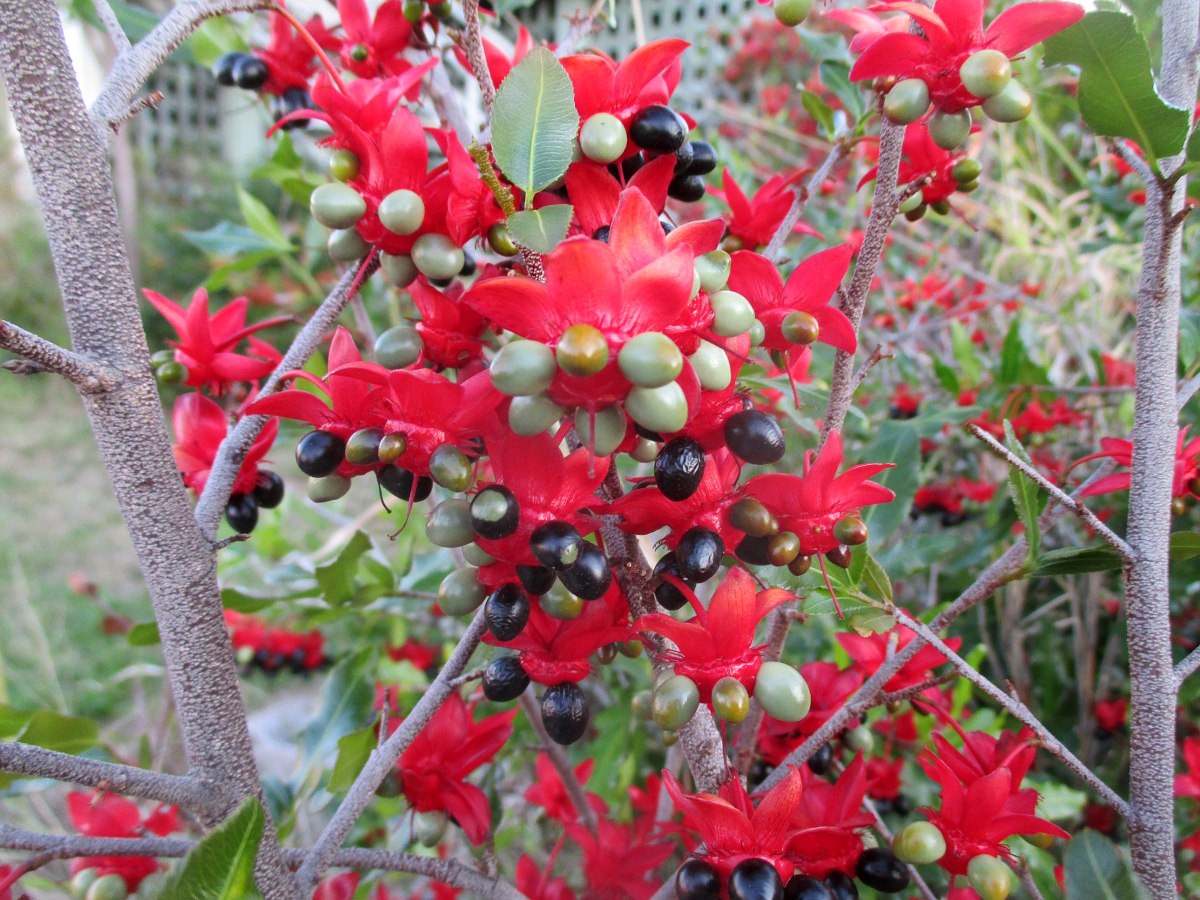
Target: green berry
{"points": [[602, 138], [107, 887], [910, 203], [450, 467], [662, 409], [582, 350], [1012, 104], [362, 447], [919, 843], [171, 372], [985, 73], [646, 450], [906, 102], [610, 429], [449, 524], [501, 240], [343, 165], [675, 702], [436, 256], [337, 205], [523, 368], [157, 359], [850, 530], [430, 827], [392, 447], [968, 186], [782, 548], [559, 603], [750, 516], [83, 880], [730, 700], [650, 360], [402, 212], [990, 878], [732, 313], [966, 169], [331, 487], [758, 333], [528, 416], [859, 739], [476, 555], [460, 592], [398, 347], [801, 328], [399, 270], [713, 268], [949, 130], [643, 705], [792, 12], [782, 692], [347, 245], [711, 365]]}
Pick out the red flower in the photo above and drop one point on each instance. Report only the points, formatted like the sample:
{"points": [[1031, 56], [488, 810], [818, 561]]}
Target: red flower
{"points": [[870, 652], [107, 816], [548, 792], [434, 767], [595, 193], [205, 345], [868, 27], [1112, 714], [756, 220], [719, 641], [538, 885], [953, 30], [420, 655], [1188, 784], [289, 57], [373, 49], [617, 861], [810, 505], [200, 427], [923, 157], [809, 289], [645, 77], [826, 820], [1187, 465], [449, 329], [829, 687]]}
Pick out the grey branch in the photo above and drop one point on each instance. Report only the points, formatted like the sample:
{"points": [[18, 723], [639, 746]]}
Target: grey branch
{"points": [[383, 759], [1072, 503], [448, 871], [1019, 711], [139, 62], [38, 762], [558, 758], [88, 375], [1187, 666], [800, 201], [238, 442], [109, 20], [473, 41]]}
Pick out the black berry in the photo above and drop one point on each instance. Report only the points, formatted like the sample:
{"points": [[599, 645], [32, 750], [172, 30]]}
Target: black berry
{"points": [[841, 886], [667, 594], [223, 68], [755, 437], [697, 880], [556, 544], [755, 879], [535, 579], [495, 512], [250, 73], [504, 679], [688, 188], [590, 577], [241, 512], [879, 868], [564, 713], [698, 554], [403, 484], [820, 761], [319, 453], [679, 468], [704, 159], [801, 887], [658, 128], [506, 612], [268, 493]]}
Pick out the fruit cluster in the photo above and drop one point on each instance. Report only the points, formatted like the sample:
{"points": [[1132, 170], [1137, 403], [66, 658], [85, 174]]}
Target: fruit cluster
{"points": [[271, 650]]}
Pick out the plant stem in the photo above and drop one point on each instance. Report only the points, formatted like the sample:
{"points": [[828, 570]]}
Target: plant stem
{"points": [[558, 759], [775, 246]]}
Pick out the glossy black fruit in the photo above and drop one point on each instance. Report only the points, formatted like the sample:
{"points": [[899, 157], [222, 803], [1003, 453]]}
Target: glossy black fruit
{"points": [[902, 805], [319, 453], [590, 577], [879, 868], [630, 166], [504, 679], [292, 100], [667, 594], [801, 887], [223, 68], [241, 512], [250, 73], [403, 484], [679, 468], [820, 761], [506, 612], [688, 188], [658, 128], [601, 234], [535, 579], [268, 493], [564, 713], [697, 880], [754, 436], [755, 879], [495, 512], [753, 550], [699, 553], [556, 544], [704, 159], [839, 556], [683, 158], [841, 886]]}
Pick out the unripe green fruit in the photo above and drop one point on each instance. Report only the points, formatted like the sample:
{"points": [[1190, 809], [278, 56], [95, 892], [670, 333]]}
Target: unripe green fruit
{"points": [[450, 467], [859, 739], [157, 359], [108, 887], [398, 347], [476, 555], [392, 447], [347, 245], [402, 212], [650, 360], [850, 530], [968, 186], [646, 450], [792, 12], [711, 365], [662, 409], [610, 429], [460, 592], [501, 240], [801, 328], [733, 314], [632, 649], [990, 878], [966, 169], [582, 350], [730, 700], [985, 73], [523, 368], [337, 205], [758, 333], [949, 130], [643, 705], [399, 269], [559, 603], [906, 102], [941, 207], [603, 138], [910, 203], [713, 268], [413, 10], [914, 215], [750, 516], [442, 10], [436, 256], [430, 827], [449, 525], [171, 372], [331, 487], [695, 285], [362, 447], [675, 702], [528, 416], [1042, 841], [1012, 104], [83, 880], [919, 843], [783, 548], [670, 738], [782, 692], [343, 165]]}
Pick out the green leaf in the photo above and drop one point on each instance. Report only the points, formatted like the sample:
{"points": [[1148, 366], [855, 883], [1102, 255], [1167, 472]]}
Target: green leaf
{"points": [[541, 230], [946, 375], [818, 110], [213, 39], [836, 77], [534, 122], [1026, 496], [354, 750], [1094, 868], [1057, 802], [346, 702], [875, 580], [965, 354], [1077, 560], [336, 580], [1116, 83], [261, 220], [225, 240], [1015, 365], [221, 866], [54, 731], [894, 442], [1185, 545], [143, 634]]}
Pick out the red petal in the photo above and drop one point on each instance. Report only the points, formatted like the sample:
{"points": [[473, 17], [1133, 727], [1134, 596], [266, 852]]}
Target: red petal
{"points": [[892, 54], [655, 296], [756, 278], [405, 157], [198, 339], [594, 192], [653, 179], [643, 65], [774, 813], [1020, 27], [520, 305], [299, 405], [692, 639], [637, 237], [731, 619], [963, 19], [169, 310], [699, 237]]}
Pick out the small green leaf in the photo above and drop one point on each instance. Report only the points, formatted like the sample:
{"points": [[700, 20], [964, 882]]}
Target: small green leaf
{"points": [[54, 731], [226, 240], [836, 77], [337, 579], [875, 580], [1027, 497], [534, 122], [221, 866], [1094, 868], [213, 39], [143, 634], [818, 110], [894, 442], [1015, 365], [946, 375], [345, 705], [541, 230], [261, 221], [1116, 82], [1185, 545], [354, 750], [1077, 560]]}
